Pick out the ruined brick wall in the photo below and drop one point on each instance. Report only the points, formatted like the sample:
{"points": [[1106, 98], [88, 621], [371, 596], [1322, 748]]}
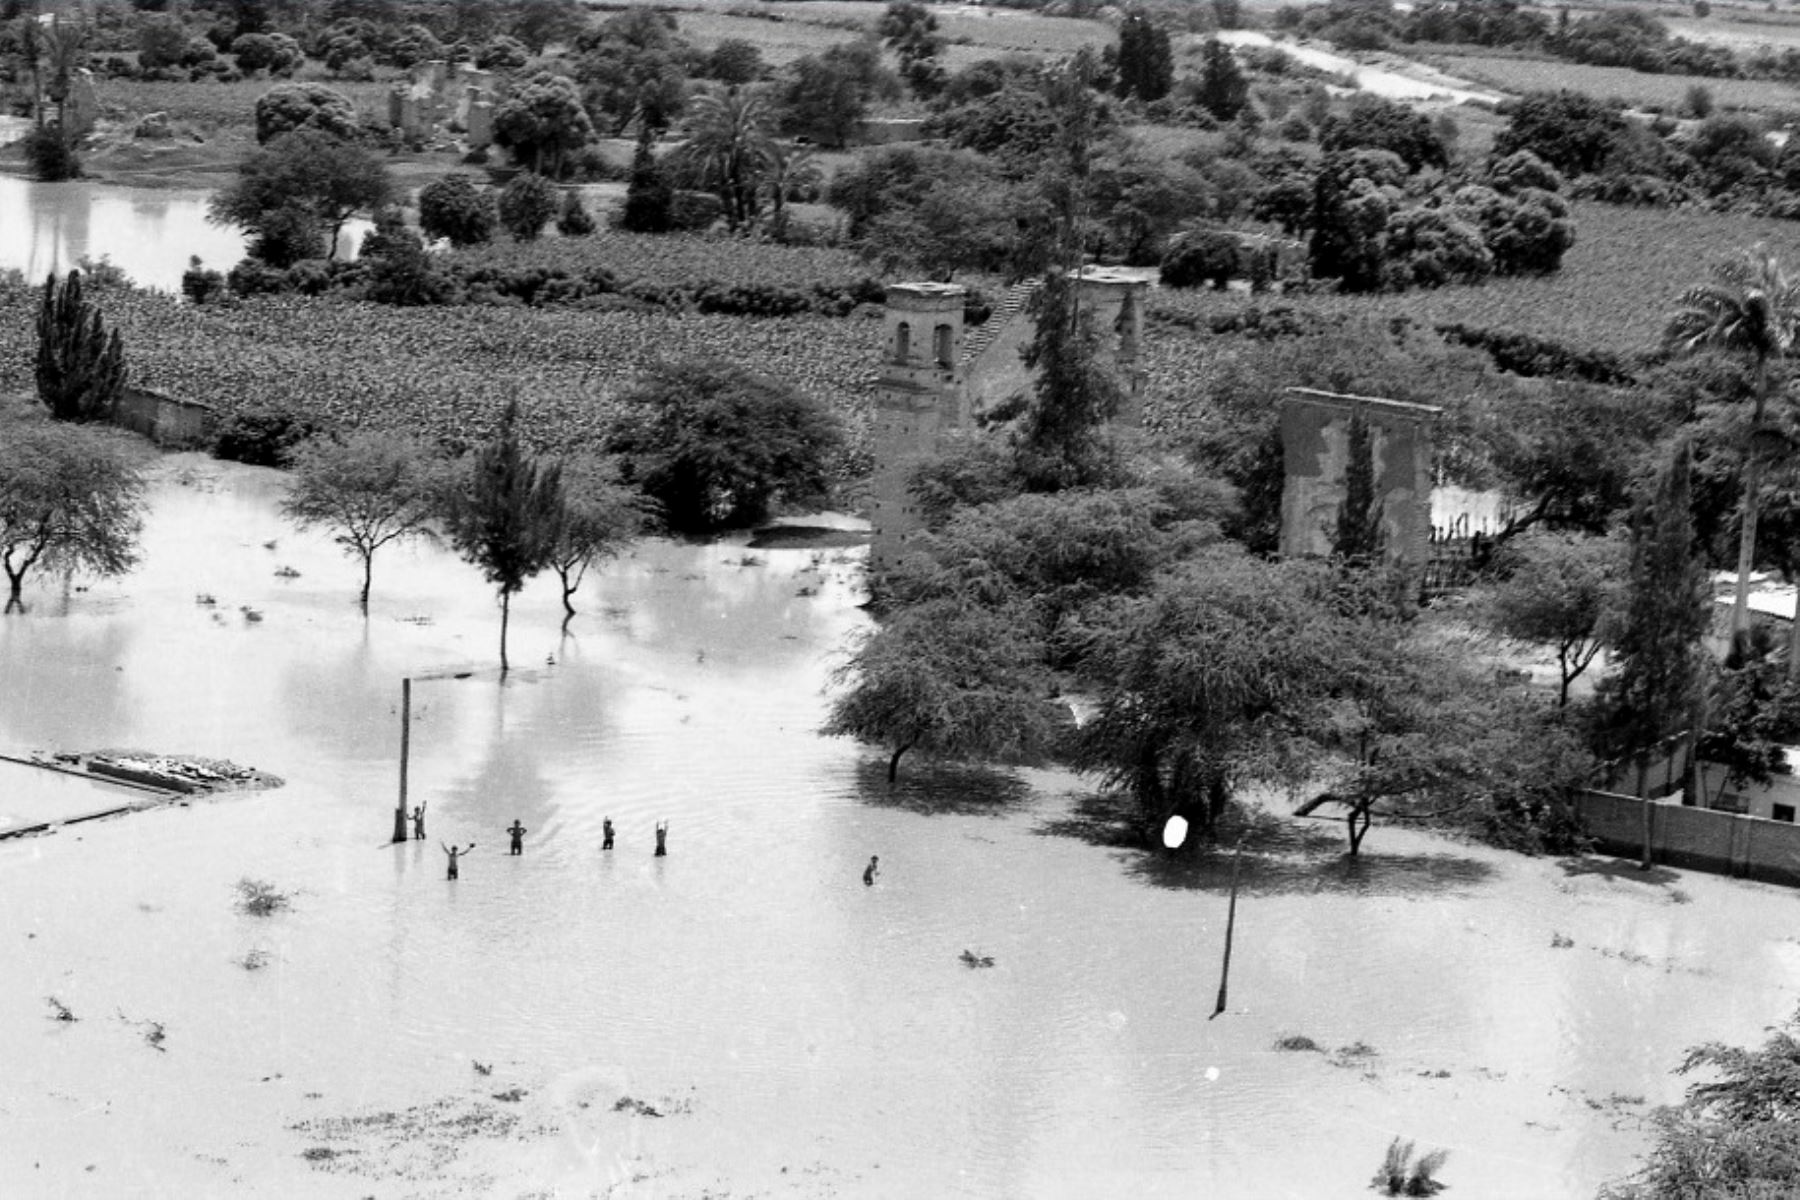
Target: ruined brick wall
{"points": [[1315, 436]]}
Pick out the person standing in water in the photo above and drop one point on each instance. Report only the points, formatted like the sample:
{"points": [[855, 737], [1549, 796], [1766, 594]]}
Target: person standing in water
{"points": [[662, 835], [870, 871], [518, 837], [455, 854], [606, 833], [419, 823]]}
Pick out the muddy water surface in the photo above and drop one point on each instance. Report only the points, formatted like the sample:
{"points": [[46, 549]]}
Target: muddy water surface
{"points": [[395, 1034]]}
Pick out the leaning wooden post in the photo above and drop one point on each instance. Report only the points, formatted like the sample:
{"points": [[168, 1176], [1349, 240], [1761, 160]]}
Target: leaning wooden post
{"points": [[405, 750], [1230, 924]]}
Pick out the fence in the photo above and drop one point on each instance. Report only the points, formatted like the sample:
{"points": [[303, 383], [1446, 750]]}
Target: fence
{"points": [[1696, 838]]}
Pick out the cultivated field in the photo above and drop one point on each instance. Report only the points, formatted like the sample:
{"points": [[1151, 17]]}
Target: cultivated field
{"points": [[1625, 272], [1520, 75], [445, 372]]}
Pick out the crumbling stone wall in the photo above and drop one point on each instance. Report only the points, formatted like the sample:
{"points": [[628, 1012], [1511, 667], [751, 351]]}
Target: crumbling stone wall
{"points": [[1315, 442]]}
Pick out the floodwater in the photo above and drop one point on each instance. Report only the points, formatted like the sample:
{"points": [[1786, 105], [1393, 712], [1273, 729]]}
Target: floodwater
{"points": [[396, 1034], [1415, 82], [148, 232]]}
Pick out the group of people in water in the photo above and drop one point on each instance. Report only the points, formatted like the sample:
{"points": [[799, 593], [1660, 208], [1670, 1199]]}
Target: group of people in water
{"points": [[517, 831]]}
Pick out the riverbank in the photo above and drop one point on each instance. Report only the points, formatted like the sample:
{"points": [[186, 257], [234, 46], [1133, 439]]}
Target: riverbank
{"points": [[744, 1016]]}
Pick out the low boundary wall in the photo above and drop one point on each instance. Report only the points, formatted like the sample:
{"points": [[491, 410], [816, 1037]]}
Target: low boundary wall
{"points": [[177, 424], [1696, 838]]}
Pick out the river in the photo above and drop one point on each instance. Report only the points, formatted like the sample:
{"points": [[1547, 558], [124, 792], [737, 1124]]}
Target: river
{"points": [[797, 1033]]}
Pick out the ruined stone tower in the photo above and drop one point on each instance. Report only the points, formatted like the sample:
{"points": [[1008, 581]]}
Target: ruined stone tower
{"points": [[934, 380], [919, 396]]}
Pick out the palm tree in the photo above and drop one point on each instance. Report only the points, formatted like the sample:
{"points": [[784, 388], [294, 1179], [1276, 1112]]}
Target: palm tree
{"points": [[64, 45], [729, 144], [1750, 307], [790, 168]]}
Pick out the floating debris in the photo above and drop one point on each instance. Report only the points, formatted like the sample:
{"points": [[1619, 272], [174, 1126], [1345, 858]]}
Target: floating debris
{"points": [[975, 961], [169, 772]]}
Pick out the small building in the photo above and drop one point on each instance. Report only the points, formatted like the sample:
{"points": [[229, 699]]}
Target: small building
{"points": [[1777, 800]]}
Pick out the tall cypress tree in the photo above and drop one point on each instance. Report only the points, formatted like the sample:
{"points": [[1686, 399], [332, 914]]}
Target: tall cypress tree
{"points": [[649, 200], [506, 520], [80, 363], [1659, 663], [1358, 538], [1061, 438], [1146, 64]]}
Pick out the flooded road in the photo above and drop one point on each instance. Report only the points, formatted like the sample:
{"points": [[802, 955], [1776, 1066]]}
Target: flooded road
{"points": [[795, 1033]]}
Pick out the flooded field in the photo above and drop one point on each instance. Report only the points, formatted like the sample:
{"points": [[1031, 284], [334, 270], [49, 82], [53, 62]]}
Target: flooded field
{"points": [[743, 1017]]}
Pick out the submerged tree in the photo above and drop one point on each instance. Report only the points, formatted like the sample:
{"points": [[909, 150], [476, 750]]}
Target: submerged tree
{"points": [[598, 518], [951, 681], [1556, 590], [80, 363], [1215, 679], [368, 489], [1734, 1135], [716, 445], [70, 500], [504, 519]]}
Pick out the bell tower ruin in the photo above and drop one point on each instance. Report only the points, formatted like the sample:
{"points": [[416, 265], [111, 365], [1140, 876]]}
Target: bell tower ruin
{"points": [[919, 396], [935, 380]]}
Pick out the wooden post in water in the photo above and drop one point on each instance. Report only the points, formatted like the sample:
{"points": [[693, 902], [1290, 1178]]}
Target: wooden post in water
{"points": [[1230, 924], [405, 750]]}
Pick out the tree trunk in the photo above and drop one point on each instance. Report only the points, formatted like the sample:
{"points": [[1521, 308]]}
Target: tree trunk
{"points": [[1643, 786], [505, 613], [894, 761], [368, 576], [1562, 662], [1358, 821], [1740, 607], [568, 605]]}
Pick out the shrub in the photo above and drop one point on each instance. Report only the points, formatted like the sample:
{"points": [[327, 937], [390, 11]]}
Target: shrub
{"points": [[290, 106], [502, 54], [199, 284], [51, 155], [574, 220], [260, 899], [1205, 256], [458, 209], [261, 436], [1402, 1175], [695, 211], [527, 204]]}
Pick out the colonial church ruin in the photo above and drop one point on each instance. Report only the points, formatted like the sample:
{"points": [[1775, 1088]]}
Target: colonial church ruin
{"points": [[937, 376]]}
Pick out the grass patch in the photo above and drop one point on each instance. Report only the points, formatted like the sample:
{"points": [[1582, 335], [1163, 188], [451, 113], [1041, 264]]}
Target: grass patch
{"points": [[1298, 1042], [260, 899]]}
